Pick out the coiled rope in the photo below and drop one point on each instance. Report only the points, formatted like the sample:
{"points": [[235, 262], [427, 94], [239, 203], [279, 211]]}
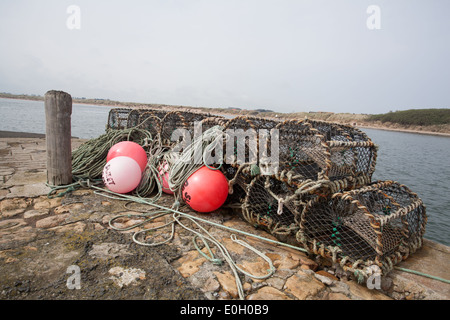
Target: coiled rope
{"points": [[183, 165]]}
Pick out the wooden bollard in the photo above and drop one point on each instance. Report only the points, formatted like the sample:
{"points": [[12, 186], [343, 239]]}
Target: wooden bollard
{"points": [[58, 112]]}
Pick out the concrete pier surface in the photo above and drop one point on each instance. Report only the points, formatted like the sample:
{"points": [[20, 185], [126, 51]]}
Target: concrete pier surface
{"points": [[64, 248]]}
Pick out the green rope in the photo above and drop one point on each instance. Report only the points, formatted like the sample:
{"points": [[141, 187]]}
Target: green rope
{"points": [[89, 159], [422, 274], [145, 201], [79, 183], [211, 258]]}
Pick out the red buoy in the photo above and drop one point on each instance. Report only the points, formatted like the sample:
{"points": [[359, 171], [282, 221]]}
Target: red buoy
{"points": [[128, 149], [205, 190]]}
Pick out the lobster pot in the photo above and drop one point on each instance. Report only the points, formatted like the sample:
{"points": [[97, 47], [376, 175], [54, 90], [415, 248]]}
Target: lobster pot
{"points": [[276, 205], [239, 178], [147, 119], [378, 224], [302, 153], [319, 151], [171, 122], [137, 116], [118, 118], [350, 153], [241, 146], [272, 205], [237, 184], [185, 121], [246, 123], [242, 138]]}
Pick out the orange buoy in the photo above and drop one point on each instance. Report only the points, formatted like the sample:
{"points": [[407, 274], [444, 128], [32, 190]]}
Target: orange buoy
{"points": [[205, 190]]}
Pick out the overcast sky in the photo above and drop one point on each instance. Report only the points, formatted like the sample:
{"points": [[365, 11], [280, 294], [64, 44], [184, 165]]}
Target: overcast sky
{"points": [[298, 55]]}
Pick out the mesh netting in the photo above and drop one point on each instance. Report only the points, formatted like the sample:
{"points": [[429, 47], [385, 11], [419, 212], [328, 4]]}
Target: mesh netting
{"points": [[272, 205], [320, 195], [118, 118], [380, 223]]}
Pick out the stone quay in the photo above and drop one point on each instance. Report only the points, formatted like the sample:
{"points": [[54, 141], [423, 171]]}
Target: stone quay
{"points": [[45, 241]]}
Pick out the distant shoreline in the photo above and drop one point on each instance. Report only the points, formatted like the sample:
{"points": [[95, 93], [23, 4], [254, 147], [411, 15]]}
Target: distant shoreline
{"points": [[17, 134], [13, 134], [355, 120], [431, 133]]}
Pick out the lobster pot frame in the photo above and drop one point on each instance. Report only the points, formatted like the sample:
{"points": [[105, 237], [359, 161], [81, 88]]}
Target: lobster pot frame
{"points": [[239, 179], [241, 173], [246, 122], [146, 119], [302, 153], [118, 118], [378, 224], [276, 205], [242, 134], [182, 120], [237, 184], [138, 117], [272, 205], [321, 150]]}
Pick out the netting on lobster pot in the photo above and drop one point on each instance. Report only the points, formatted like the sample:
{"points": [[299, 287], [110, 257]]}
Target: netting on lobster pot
{"points": [[241, 138], [239, 178], [192, 117], [172, 121], [198, 124], [379, 224], [350, 153], [118, 118], [149, 120], [247, 122], [237, 182], [187, 122], [302, 153], [272, 205]]}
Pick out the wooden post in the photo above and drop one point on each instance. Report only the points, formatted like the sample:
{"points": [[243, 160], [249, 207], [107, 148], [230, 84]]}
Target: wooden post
{"points": [[58, 111]]}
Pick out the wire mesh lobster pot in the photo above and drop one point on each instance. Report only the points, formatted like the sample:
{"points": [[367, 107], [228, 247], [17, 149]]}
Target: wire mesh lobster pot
{"points": [[272, 205], [118, 118], [380, 224], [308, 150], [313, 159], [276, 206], [182, 120], [340, 151], [240, 159], [158, 121]]}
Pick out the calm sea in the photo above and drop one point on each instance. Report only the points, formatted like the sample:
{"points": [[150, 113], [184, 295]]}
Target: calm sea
{"points": [[421, 162], [88, 121]]}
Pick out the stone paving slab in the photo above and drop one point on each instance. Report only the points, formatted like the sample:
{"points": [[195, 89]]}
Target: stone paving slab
{"points": [[42, 239]]}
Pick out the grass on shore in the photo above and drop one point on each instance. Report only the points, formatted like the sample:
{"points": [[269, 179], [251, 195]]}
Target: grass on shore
{"points": [[416, 117]]}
